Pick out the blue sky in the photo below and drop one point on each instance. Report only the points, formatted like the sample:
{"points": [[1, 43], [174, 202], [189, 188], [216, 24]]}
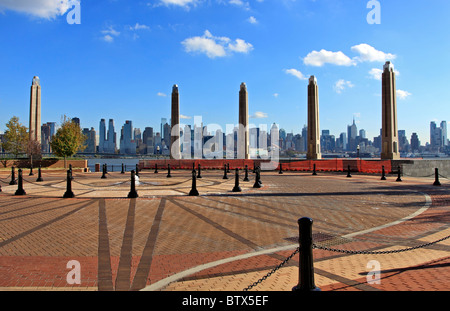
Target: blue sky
{"points": [[123, 59]]}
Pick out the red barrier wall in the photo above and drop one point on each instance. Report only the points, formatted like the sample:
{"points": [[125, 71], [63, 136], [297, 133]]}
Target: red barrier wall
{"points": [[330, 165]]}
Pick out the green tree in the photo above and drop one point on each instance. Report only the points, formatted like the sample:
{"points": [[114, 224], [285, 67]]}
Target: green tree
{"points": [[68, 139], [15, 137]]}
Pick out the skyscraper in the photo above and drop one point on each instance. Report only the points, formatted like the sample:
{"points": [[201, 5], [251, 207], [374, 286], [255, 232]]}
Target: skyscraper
{"points": [[112, 138], [415, 142], [243, 135], [389, 137], [102, 136], [352, 132], [35, 110], [175, 138], [444, 133], [127, 144], [91, 140], [313, 121]]}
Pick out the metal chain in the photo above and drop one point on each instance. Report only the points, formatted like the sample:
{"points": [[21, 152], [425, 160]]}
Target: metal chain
{"points": [[341, 251], [444, 176], [403, 174], [378, 252], [272, 271], [5, 180]]}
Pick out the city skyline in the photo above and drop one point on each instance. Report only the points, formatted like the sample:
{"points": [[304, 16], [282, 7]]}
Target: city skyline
{"points": [[122, 60]]}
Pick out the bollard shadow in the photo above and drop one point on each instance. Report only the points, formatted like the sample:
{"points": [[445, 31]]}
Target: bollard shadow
{"points": [[396, 271]]}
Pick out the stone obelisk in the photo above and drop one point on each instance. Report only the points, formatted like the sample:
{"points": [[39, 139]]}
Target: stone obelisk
{"points": [[389, 135], [243, 134], [35, 111], [313, 121], [175, 128]]}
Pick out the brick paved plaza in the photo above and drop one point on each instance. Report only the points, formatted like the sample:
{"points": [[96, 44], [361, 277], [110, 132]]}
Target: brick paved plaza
{"points": [[221, 240]]}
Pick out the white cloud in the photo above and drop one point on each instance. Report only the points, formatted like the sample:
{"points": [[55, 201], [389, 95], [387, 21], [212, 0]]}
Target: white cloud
{"points": [[322, 57], [240, 46], [252, 20], [109, 34], [161, 94], [276, 95], [215, 46], [341, 85], [108, 39], [240, 3], [184, 117], [181, 3], [139, 27], [259, 115], [111, 31], [295, 73], [368, 53], [48, 9], [403, 94]]}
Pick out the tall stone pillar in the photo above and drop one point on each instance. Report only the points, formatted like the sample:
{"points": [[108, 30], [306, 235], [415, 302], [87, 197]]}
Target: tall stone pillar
{"points": [[35, 111], [389, 132], [175, 128], [313, 121], [243, 133]]}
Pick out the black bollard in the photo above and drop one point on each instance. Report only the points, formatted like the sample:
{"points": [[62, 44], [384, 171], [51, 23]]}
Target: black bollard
{"points": [[193, 166], [314, 170], [104, 172], [236, 182], [348, 172], [133, 193], [383, 173], [225, 176], [199, 175], [156, 168], [20, 190], [254, 167], [257, 183], [13, 176], [39, 179], [123, 169], [31, 171], [436, 178], [246, 173], [137, 170], [258, 170], [168, 171], [399, 173], [306, 263], [69, 193], [281, 169], [70, 169], [228, 167], [194, 191]]}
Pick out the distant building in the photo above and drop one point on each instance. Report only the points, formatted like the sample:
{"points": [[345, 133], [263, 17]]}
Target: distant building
{"points": [[415, 142], [47, 132], [148, 141], [76, 121], [91, 140], [127, 143], [403, 141], [107, 140], [438, 136]]}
